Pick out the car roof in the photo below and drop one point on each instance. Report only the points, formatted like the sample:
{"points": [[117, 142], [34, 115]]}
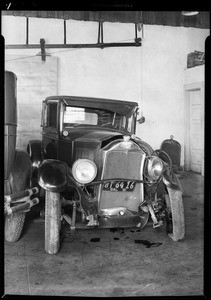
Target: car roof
{"points": [[122, 107]]}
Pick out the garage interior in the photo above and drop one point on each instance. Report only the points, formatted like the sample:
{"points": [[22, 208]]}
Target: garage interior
{"points": [[141, 56]]}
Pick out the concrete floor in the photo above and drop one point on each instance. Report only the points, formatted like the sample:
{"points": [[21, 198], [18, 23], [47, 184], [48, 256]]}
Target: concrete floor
{"points": [[109, 263]]}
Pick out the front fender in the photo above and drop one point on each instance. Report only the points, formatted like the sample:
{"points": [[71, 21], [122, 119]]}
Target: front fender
{"points": [[143, 145], [169, 177], [170, 180], [53, 175]]}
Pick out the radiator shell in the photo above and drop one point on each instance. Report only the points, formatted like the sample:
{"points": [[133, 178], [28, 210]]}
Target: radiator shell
{"points": [[120, 162]]}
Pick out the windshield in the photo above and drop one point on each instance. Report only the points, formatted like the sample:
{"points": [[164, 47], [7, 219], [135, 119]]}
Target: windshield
{"points": [[80, 116]]}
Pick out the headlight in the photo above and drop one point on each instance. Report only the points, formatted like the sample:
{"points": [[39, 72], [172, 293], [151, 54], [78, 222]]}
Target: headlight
{"points": [[84, 170], [153, 168]]}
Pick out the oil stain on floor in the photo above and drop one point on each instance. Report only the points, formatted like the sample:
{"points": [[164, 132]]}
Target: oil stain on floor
{"points": [[147, 243]]}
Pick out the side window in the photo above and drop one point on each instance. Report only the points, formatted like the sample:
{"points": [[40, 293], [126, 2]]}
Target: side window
{"points": [[51, 115]]}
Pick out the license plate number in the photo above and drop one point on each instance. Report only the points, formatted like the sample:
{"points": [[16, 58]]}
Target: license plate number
{"points": [[119, 186]]}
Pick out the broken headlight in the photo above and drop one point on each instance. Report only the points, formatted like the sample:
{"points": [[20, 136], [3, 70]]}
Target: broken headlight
{"points": [[153, 168]]}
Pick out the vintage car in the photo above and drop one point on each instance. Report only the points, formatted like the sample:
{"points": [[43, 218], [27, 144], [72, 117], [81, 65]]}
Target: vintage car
{"points": [[18, 193], [96, 173]]}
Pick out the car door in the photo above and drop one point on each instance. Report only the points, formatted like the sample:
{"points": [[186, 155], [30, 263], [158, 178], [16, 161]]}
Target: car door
{"points": [[50, 133]]}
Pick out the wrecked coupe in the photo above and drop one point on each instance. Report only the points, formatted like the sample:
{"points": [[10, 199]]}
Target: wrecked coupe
{"points": [[96, 173]]}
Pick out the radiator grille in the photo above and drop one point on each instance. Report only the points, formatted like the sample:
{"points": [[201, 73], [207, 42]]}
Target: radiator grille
{"points": [[124, 165]]}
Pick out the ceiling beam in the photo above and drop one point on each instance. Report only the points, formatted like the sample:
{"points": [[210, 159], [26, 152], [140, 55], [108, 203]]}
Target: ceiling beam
{"points": [[166, 18]]}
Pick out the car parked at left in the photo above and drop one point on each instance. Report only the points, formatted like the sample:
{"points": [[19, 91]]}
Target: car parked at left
{"points": [[19, 195]]}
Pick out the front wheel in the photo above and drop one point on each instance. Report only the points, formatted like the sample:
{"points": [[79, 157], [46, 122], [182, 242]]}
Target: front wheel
{"points": [[175, 214], [52, 222]]}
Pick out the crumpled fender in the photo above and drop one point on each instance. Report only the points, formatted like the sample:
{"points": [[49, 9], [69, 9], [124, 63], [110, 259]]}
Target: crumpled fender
{"points": [[170, 179], [52, 175]]}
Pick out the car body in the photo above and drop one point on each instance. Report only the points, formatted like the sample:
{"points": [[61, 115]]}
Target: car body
{"points": [[90, 159], [17, 167]]}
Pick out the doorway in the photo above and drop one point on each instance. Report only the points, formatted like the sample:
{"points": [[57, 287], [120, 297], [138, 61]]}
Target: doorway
{"points": [[194, 127]]}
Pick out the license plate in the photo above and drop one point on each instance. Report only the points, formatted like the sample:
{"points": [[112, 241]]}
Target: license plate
{"points": [[119, 186]]}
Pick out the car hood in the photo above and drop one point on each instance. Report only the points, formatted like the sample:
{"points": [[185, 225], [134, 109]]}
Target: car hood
{"points": [[97, 136], [87, 143]]}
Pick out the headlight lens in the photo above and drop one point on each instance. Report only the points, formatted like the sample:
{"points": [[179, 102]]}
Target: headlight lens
{"points": [[154, 168], [84, 170]]}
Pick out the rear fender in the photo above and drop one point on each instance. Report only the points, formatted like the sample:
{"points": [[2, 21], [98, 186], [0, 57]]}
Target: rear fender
{"points": [[53, 175], [34, 148], [19, 178]]}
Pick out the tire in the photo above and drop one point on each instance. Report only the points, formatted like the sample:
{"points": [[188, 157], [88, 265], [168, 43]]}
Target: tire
{"points": [[175, 211], [52, 222], [19, 181], [13, 226]]}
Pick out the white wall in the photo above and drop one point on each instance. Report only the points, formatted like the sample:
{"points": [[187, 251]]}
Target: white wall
{"points": [[36, 80], [152, 75], [164, 61]]}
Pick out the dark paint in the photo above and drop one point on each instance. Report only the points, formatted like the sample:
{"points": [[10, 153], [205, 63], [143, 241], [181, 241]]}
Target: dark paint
{"points": [[173, 149], [17, 164], [83, 141], [34, 149], [19, 178], [52, 175], [10, 122], [92, 142]]}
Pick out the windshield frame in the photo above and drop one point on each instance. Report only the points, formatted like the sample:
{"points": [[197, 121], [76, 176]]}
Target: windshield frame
{"points": [[122, 123]]}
